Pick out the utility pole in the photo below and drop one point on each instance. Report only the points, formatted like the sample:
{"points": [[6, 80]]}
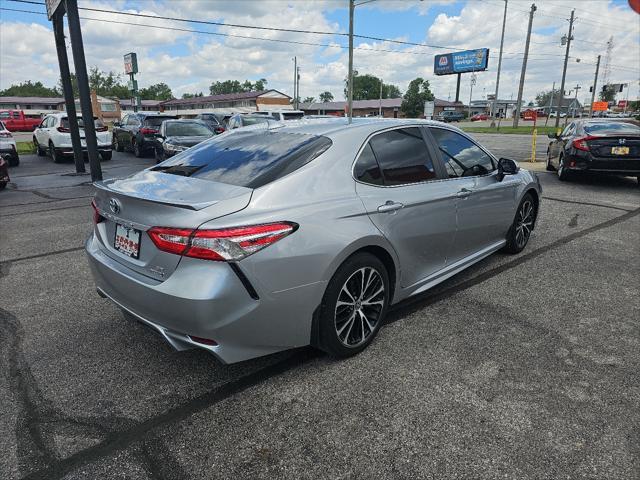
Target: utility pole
{"points": [[577, 87], [595, 84], [516, 117], [380, 105], [295, 83], [350, 90], [297, 88], [473, 82], [553, 91], [564, 70], [495, 100]]}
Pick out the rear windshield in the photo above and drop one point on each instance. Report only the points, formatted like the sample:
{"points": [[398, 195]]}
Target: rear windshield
{"points": [[247, 159], [156, 121], [64, 122], [187, 129], [614, 128]]}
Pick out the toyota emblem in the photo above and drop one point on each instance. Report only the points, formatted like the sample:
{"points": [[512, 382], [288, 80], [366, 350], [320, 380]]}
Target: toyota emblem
{"points": [[114, 206]]}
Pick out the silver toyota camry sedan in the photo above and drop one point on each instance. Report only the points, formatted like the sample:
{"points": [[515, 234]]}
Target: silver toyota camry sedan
{"points": [[270, 238]]}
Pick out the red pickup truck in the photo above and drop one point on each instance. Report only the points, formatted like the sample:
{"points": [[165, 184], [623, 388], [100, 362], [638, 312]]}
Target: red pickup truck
{"points": [[17, 121]]}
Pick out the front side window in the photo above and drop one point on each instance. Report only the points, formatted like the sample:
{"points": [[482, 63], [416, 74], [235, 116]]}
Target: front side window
{"points": [[4, 115], [567, 131], [403, 156], [462, 157]]}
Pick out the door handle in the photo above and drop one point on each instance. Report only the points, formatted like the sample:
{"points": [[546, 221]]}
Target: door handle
{"points": [[390, 207], [464, 193]]}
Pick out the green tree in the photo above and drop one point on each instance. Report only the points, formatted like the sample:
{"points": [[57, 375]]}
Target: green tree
{"points": [[543, 98], [326, 97], [309, 100], [158, 91], [234, 86], [29, 89], [607, 94], [192, 95], [367, 87], [107, 84], [413, 101]]}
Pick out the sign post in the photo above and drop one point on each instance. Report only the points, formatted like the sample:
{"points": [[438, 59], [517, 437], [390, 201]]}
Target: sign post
{"points": [[131, 68]]}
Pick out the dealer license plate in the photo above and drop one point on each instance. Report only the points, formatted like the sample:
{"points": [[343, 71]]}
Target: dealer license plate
{"points": [[127, 241], [619, 150]]}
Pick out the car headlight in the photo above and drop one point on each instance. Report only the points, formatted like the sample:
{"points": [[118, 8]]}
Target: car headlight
{"points": [[170, 147]]}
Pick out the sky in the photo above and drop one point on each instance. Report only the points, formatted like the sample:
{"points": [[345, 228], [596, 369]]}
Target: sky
{"points": [[191, 58]]}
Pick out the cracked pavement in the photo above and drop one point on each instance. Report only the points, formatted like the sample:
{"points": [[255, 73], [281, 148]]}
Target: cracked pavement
{"points": [[522, 366]]}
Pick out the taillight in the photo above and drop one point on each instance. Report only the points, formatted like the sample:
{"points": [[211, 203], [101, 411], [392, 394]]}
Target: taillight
{"points": [[225, 244], [97, 218], [63, 130], [102, 129], [148, 131], [581, 143], [218, 129], [5, 135]]}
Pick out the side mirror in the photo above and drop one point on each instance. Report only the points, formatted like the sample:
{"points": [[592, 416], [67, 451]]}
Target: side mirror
{"points": [[506, 166], [116, 124], [553, 135]]}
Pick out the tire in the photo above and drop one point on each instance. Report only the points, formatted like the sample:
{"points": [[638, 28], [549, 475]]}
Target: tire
{"points": [[340, 333], [54, 156], [563, 174], [137, 149], [14, 160], [116, 145], [549, 167], [522, 226], [2, 185], [106, 156], [158, 156], [39, 150]]}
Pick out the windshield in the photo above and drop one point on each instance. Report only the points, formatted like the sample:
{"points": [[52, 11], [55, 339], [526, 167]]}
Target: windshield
{"points": [[248, 159], [156, 121], [187, 129], [64, 122], [253, 120], [614, 128]]}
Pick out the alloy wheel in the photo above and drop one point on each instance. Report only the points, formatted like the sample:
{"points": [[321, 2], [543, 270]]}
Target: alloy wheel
{"points": [[360, 303], [524, 223]]}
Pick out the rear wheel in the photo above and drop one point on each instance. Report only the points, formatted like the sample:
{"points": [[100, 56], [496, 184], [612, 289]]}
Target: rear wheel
{"points": [[106, 156], [354, 306], [14, 160], [56, 157], [563, 173], [520, 231]]}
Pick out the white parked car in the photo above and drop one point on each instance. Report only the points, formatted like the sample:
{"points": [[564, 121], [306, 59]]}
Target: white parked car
{"points": [[8, 146], [281, 115], [555, 114], [54, 137]]}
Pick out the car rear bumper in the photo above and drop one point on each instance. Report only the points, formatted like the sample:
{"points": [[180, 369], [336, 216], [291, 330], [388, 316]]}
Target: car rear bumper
{"points": [[208, 300], [68, 149], [618, 166]]}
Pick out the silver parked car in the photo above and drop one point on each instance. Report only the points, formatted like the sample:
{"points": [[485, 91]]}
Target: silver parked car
{"points": [[261, 240]]}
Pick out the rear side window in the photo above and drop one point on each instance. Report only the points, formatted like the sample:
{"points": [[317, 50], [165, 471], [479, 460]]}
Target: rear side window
{"points": [[367, 169], [403, 156], [247, 159], [462, 157]]}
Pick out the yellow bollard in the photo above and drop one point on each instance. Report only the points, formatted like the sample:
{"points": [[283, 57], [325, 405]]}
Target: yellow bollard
{"points": [[533, 145]]}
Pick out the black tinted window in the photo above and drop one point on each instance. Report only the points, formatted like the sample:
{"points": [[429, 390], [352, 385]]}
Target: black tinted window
{"points": [[367, 169], [462, 157], [248, 159], [403, 157], [64, 122], [186, 129]]}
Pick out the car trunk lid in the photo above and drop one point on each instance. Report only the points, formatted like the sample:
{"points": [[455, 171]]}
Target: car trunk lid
{"points": [[615, 146], [156, 199]]}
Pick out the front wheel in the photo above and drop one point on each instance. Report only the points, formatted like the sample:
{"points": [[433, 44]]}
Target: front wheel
{"points": [[549, 167], [159, 155], [39, 150], [116, 144], [354, 306], [522, 226]]}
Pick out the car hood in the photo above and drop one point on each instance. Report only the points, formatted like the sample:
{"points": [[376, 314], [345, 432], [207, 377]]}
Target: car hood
{"points": [[187, 141]]}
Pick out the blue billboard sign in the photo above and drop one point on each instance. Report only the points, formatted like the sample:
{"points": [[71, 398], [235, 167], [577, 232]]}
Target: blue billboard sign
{"points": [[461, 62]]}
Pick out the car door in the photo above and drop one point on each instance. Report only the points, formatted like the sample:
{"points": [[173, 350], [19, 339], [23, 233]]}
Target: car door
{"points": [[401, 189], [41, 132], [484, 205]]}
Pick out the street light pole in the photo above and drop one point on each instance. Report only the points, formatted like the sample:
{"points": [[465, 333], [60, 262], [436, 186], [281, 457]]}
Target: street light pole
{"points": [[295, 82], [516, 117], [564, 69], [350, 89], [380, 105], [495, 100]]}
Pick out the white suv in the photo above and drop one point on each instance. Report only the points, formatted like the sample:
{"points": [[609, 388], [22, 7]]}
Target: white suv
{"points": [[281, 115], [8, 146], [53, 136]]}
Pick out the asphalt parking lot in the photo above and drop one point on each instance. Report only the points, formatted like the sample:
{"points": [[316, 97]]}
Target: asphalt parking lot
{"points": [[523, 366]]}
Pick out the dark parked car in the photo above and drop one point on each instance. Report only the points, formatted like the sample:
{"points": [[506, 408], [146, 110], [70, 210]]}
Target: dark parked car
{"points": [[450, 116], [137, 132], [245, 119], [214, 121], [604, 146], [176, 136]]}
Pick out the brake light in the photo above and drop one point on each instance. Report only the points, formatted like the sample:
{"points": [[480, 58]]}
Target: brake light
{"points": [[63, 130], [148, 131], [581, 143], [219, 129], [102, 129], [97, 218], [226, 244]]}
